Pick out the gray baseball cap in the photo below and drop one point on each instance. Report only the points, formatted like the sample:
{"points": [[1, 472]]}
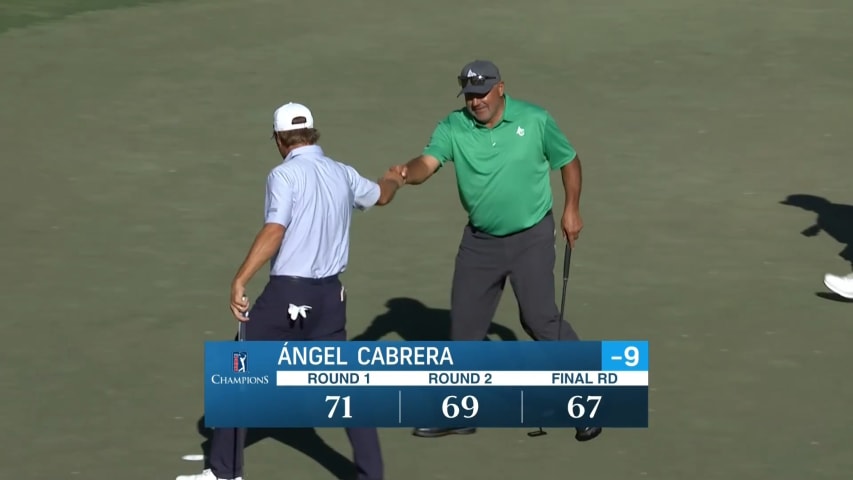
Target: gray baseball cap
{"points": [[478, 77]]}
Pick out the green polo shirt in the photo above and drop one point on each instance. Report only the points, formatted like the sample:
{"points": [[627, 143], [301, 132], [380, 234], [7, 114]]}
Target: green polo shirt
{"points": [[503, 173]]}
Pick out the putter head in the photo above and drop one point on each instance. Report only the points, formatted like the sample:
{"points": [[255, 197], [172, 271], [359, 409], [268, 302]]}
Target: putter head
{"points": [[537, 433]]}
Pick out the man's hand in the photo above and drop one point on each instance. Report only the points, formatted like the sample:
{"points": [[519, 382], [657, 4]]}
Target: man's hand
{"points": [[572, 225], [417, 170], [400, 170], [239, 302], [388, 186], [396, 176]]}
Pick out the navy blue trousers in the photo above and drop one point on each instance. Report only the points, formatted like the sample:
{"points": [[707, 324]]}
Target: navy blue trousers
{"points": [[269, 319]]}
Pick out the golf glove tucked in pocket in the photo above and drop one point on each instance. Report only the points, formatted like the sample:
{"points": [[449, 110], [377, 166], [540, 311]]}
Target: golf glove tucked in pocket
{"points": [[298, 311]]}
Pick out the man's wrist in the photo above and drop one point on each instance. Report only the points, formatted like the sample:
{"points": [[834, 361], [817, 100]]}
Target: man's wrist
{"points": [[413, 171], [393, 183]]}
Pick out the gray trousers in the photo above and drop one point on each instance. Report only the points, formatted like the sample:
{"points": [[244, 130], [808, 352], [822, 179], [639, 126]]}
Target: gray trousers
{"points": [[483, 264]]}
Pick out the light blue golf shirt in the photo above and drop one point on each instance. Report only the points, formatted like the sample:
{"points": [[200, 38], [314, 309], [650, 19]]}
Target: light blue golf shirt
{"points": [[314, 196]]}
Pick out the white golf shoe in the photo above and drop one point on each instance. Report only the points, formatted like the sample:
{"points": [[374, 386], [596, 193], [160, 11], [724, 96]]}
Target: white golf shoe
{"points": [[840, 285], [205, 475]]}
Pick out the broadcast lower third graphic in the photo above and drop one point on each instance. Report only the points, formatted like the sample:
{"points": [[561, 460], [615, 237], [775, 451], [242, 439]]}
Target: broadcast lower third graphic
{"points": [[452, 384]]}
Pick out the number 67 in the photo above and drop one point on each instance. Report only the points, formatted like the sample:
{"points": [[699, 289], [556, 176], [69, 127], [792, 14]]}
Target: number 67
{"points": [[577, 410]]}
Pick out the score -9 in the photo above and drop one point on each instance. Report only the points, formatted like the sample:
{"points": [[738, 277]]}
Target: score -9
{"points": [[632, 356]]}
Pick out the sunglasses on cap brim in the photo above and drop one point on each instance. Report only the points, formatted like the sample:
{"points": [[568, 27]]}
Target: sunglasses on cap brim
{"points": [[477, 81]]}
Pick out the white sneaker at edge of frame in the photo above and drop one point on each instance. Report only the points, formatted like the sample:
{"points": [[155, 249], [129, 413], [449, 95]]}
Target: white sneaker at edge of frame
{"points": [[205, 475], [842, 285]]}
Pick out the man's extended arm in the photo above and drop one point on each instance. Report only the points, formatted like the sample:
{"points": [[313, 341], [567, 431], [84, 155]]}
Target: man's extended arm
{"points": [[439, 150], [368, 193], [417, 170]]}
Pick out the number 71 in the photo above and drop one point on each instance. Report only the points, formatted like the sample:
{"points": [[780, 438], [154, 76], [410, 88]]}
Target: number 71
{"points": [[336, 399]]}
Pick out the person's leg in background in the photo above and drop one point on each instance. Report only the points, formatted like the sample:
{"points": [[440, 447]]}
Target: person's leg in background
{"points": [[366, 453], [328, 321], [268, 320], [479, 277], [532, 279]]}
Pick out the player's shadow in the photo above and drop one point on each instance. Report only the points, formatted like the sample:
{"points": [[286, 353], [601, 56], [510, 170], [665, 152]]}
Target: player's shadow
{"points": [[833, 219], [414, 321], [305, 440]]}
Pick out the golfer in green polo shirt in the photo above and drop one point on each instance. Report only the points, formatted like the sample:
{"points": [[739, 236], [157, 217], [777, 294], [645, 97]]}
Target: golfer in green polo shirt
{"points": [[504, 150]]}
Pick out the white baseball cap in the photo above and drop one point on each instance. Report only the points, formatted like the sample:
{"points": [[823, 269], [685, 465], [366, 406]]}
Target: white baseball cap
{"points": [[292, 116]]}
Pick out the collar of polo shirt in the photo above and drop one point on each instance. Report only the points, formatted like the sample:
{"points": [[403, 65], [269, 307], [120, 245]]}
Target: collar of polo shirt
{"points": [[315, 149]]}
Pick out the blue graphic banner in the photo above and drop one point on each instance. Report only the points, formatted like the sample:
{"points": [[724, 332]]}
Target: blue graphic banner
{"points": [[434, 384]]}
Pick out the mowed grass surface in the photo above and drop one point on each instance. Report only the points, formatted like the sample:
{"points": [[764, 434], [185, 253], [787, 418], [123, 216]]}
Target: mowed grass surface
{"points": [[23, 13], [135, 146]]}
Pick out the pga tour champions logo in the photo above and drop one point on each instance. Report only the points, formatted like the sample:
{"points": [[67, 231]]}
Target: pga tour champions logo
{"points": [[239, 373], [239, 361]]}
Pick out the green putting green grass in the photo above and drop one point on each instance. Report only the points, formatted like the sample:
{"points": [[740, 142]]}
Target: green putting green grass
{"points": [[135, 145]]}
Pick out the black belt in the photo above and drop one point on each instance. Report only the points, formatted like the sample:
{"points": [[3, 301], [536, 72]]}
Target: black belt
{"points": [[547, 214], [305, 280]]}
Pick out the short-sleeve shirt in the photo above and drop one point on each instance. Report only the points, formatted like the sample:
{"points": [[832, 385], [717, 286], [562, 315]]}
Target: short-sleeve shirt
{"points": [[313, 197], [503, 173]]}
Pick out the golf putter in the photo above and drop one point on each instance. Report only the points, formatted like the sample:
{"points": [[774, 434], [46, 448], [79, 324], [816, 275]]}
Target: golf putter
{"points": [[241, 336], [567, 261]]}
